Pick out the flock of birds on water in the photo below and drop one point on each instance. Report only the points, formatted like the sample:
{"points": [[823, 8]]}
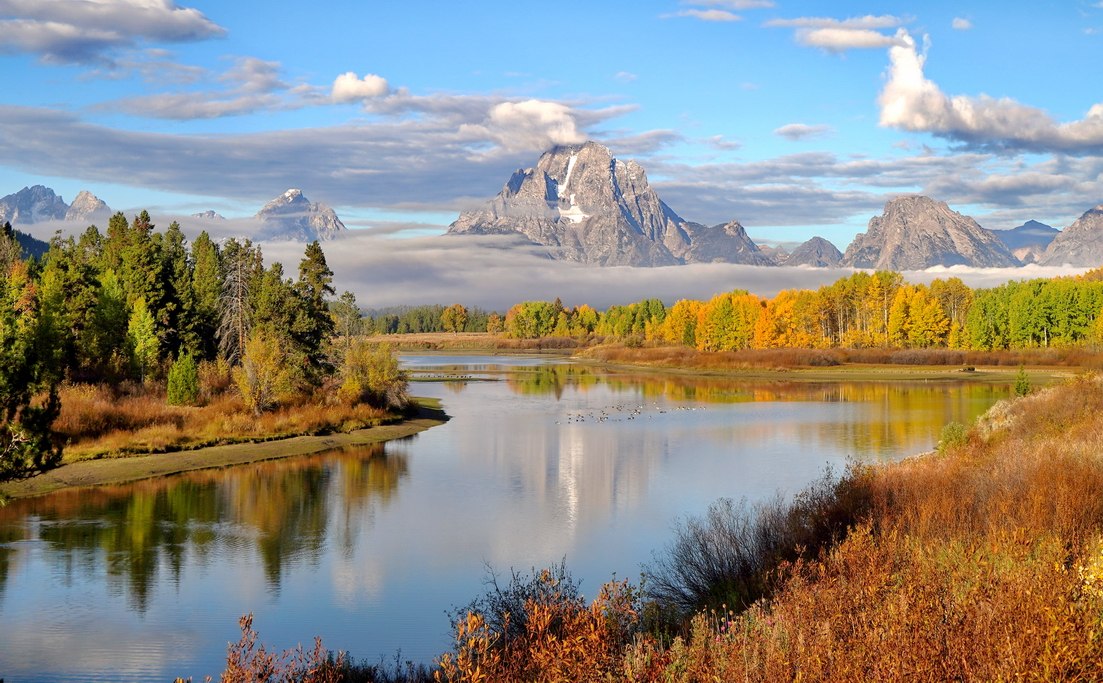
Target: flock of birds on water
{"points": [[618, 413]]}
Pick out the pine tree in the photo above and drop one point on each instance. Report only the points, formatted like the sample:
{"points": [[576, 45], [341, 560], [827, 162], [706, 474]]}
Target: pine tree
{"points": [[207, 294]]}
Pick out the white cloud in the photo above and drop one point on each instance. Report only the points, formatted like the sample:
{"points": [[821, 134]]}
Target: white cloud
{"points": [[626, 76], [839, 35], [707, 14], [842, 39], [248, 86], [81, 31], [802, 131], [869, 22], [529, 124], [733, 4], [910, 101], [961, 24], [348, 87]]}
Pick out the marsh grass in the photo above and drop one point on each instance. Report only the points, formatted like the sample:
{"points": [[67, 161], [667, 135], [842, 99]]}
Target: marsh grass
{"points": [[98, 421]]}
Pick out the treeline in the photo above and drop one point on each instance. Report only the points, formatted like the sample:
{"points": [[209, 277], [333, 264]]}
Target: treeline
{"points": [[863, 310], [432, 318], [140, 306]]}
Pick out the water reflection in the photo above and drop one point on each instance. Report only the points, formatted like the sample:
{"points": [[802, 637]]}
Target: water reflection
{"points": [[277, 509]]}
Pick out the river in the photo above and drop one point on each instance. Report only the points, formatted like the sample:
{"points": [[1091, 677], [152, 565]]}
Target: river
{"points": [[543, 459]]}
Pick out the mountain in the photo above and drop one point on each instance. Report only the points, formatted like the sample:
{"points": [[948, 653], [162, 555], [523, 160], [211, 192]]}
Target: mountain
{"points": [[584, 205], [292, 216], [32, 205], [724, 243], [1080, 244], [816, 252], [209, 215], [916, 232], [1028, 241], [87, 208]]}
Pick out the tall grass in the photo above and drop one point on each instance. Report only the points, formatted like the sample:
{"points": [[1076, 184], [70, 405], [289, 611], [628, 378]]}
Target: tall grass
{"points": [[98, 421]]}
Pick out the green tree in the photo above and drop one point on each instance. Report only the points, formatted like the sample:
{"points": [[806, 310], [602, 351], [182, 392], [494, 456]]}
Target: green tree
{"points": [[183, 381], [207, 294], [29, 367], [142, 333], [314, 328]]}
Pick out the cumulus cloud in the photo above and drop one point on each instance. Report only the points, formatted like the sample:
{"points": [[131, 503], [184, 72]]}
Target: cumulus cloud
{"points": [[79, 31], [909, 101], [348, 87], [802, 131], [961, 24], [529, 124]]}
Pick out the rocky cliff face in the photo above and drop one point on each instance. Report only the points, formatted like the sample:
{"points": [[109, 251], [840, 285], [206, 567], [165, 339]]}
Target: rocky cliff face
{"points": [[292, 216], [32, 205], [816, 252], [88, 208], [209, 215], [918, 232], [1080, 244], [585, 205]]}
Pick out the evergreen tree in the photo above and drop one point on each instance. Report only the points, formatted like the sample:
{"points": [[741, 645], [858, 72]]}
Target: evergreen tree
{"points": [[178, 307], [314, 327], [207, 294], [28, 367]]}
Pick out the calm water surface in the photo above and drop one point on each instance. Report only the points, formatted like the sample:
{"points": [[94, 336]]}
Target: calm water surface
{"points": [[543, 459]]}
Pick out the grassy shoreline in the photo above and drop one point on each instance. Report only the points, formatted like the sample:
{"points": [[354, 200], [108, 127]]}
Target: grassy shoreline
{"points": [[129, 468]]}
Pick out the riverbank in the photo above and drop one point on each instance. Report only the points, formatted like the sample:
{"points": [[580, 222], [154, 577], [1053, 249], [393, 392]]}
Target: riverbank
{"points": [[130, 468]]}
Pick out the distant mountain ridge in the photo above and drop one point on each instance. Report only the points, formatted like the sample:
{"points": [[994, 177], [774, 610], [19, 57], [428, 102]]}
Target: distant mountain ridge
{"points": [[1080, 244], [1028, 241], [291, 216], [585, 205]]}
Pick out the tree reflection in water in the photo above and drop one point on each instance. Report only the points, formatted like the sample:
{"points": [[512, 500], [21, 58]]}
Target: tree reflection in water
{"points": [[135, 531]]}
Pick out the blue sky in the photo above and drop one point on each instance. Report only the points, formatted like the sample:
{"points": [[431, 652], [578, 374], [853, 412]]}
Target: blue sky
{"points": [[796, 118]]}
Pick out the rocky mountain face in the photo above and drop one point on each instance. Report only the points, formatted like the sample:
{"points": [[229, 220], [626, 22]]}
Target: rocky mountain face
{"points": [[292, 216], [584, 205], [816, 252], [1080, 244], [918, 232], [1028, 241], [88, 208], [32, 205]]}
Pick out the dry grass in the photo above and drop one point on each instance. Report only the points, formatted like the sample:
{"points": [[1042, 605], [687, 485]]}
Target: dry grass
{"points": [[97, 421]]}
